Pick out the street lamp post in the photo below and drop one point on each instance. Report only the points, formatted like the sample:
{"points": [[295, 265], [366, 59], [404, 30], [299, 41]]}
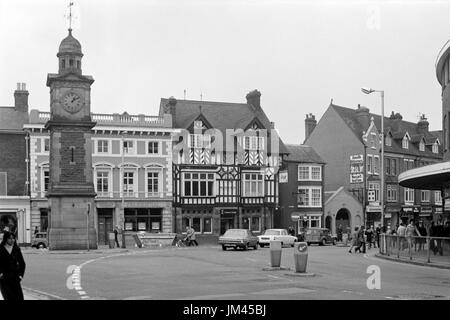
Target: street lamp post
{"points": [[122, 211], [369, 91]]}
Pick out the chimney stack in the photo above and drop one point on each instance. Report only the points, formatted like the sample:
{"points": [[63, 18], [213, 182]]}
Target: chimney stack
{"points": [[310, 124], [422, 125], [362, 113], [21, 97], [254, 98]]}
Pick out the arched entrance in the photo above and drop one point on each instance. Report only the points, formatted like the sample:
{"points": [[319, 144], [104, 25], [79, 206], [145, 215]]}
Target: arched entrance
{"points": [[328, 222], [343, 220]]}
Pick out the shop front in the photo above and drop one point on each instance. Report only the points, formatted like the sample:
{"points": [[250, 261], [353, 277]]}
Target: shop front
{"points": [[409, 212]]}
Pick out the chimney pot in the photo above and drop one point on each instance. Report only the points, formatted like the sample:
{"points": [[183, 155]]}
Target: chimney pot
{"points": [[254, 98], [310, 124], [21, 98]]}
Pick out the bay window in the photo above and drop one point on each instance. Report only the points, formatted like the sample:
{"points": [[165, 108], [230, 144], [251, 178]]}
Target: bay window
{"points": [[198, 184], [253, 185]]}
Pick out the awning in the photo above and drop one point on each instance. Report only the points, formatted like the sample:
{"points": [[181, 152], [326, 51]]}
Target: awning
{"points": [[431, 177]]}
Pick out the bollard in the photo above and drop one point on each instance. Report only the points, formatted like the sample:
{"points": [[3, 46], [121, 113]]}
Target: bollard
{"points": [[275, 254], [300, 256]]}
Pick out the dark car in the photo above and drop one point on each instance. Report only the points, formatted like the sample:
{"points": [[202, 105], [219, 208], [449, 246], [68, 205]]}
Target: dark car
{"points": [[238, 238], [40, 240], [320, 236]]}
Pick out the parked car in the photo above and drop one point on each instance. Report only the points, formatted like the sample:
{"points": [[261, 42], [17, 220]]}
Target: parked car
{"points": [[40, 240], [276, 234], [238, 238], [320, 236]]}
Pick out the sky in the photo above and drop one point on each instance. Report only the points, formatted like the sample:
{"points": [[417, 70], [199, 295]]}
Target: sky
{"points": [[299, 54]]}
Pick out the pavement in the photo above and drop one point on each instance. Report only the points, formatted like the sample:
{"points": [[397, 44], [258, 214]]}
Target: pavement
{"points": [[208, 273]]}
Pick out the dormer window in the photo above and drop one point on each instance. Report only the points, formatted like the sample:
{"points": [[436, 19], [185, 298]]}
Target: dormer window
{"points": [[63, 64], [435, 148], [422, 146], [78, 64], [405, 143], [388, 141], [71, 63]]}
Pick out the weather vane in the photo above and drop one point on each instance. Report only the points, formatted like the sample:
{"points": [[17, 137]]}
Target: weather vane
{"points": [[70, 15]]}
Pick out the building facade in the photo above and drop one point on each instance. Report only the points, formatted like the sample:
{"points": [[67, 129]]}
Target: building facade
{"points": [[225, 171], [131, 167], [349, 141], [14, 190], [301, 186]]}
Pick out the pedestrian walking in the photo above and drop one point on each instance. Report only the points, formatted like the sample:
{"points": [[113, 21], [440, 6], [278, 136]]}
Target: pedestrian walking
{"points": [[410, 233], [440, 232], [190, 236], [422, 233], [116, 236], [291, 231], [12, 268], [36, 230], [339, 233], [401, 232], [355, 243], [377, 236], [362, 239], [369, 237]]}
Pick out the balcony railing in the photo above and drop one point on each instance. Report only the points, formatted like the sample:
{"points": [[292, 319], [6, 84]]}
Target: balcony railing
{"points": [[140, 120], [126, 195]]}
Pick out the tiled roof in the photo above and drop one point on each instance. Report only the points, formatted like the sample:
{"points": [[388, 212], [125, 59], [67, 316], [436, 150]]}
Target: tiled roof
{"points": [[397, 127], [302, 153], [11, 119], [220, 115]]}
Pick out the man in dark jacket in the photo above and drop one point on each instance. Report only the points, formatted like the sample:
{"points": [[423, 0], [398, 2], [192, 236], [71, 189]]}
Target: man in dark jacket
{"points": [[12, 268]]}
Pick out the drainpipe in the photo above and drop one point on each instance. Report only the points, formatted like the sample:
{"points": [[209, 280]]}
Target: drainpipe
{"points": [[27, 183]]}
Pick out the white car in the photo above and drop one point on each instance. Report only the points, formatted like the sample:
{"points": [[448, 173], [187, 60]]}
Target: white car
{"points": [[276, 234]]}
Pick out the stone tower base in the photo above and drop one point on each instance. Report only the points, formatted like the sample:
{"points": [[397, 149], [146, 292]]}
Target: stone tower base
{"points": [[72, 239]]}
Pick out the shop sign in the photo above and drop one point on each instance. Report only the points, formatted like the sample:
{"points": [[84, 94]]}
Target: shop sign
{"points": [[373, 208], [283, 177], [356, 168], [426, 210]]}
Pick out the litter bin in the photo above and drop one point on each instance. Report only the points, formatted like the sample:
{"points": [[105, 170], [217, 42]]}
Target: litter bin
{"points": [[275, 253], [300, 256], [112, 243], [345, 238]]}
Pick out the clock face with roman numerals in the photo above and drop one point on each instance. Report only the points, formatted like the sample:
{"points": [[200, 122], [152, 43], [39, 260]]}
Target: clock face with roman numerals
{"points": [[72, 102]]}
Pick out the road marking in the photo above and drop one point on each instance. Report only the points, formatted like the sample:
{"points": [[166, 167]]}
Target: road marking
{"points": [[353, 292], [43, 293], [214, 296], [74, 280], [284, 291]]}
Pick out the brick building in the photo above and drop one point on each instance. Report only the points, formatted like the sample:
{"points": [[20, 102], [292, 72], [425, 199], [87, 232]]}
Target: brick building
{"points": [[225, 176], [14, 196], [343, 133], [301, 186]]}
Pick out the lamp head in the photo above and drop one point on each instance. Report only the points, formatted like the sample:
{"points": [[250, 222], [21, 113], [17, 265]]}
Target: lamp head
{"points": [[367, 90]]}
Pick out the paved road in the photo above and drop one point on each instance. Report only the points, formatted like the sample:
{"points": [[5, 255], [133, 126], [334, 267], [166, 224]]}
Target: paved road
{"points": [[207, 272]]}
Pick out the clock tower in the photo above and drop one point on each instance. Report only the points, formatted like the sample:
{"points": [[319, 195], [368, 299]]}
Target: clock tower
{"points": [[71, 190]]}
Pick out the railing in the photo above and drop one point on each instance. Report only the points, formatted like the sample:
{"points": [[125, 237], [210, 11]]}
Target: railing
{"points": [[422, 249], [127, 195], [140, 120]]}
